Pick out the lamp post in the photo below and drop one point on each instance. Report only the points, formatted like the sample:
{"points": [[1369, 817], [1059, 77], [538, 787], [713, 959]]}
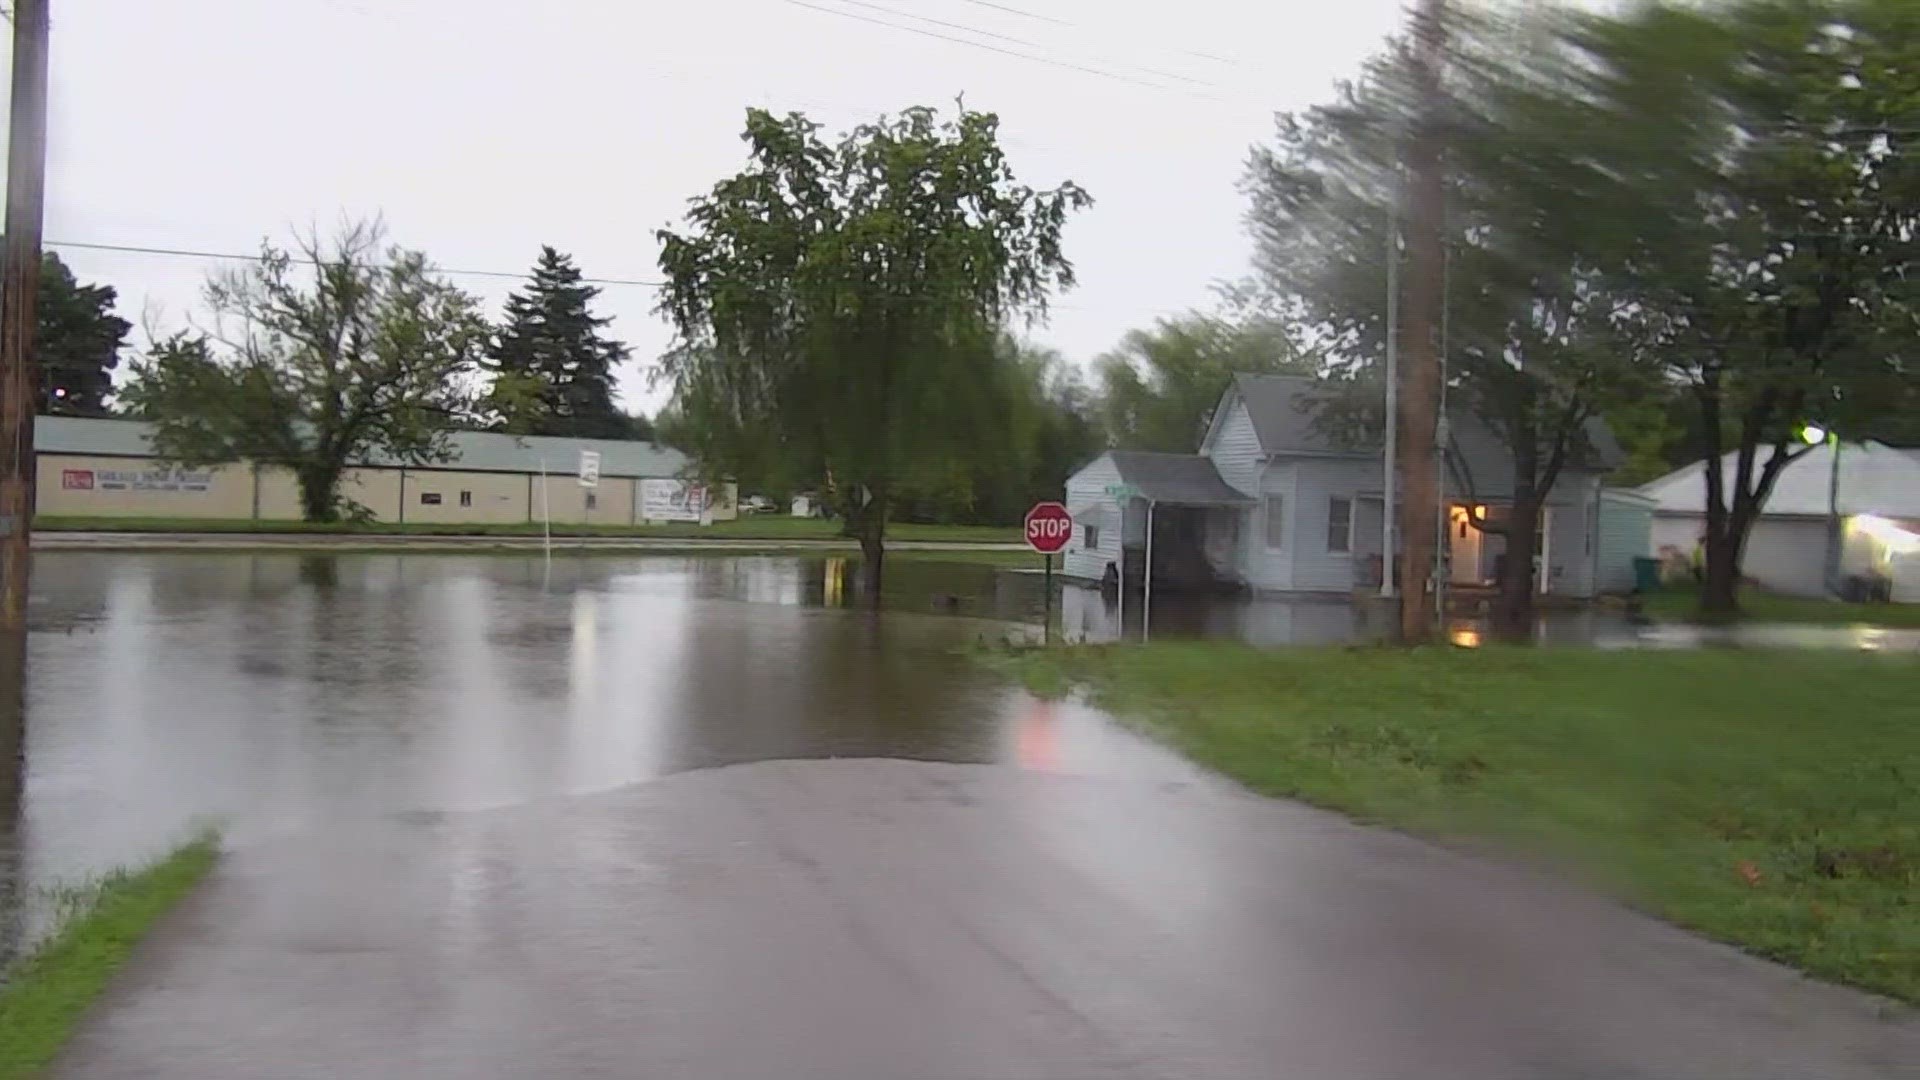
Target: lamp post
{"points": [[1814, 435]]}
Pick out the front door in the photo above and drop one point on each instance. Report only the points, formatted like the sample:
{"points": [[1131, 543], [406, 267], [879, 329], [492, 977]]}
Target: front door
{"points": [[1463, 548]]}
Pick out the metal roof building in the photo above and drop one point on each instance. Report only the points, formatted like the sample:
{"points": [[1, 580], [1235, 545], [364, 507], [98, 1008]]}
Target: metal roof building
{"points": [[474, 451]]}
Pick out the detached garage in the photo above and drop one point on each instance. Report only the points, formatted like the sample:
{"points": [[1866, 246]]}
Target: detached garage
{"points": [[1877, 490]]}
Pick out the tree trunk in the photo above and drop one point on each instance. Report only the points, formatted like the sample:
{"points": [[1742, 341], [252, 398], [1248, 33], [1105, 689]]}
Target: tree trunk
{"points": [[1513, 607], [319, 492], [1720, 589]]}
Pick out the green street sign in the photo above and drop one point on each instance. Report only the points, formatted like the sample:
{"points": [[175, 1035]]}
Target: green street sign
{"points": [[1122, 492]]}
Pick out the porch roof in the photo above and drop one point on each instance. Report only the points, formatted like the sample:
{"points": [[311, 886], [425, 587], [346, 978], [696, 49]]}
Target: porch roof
{"points": [[1175, 479]]}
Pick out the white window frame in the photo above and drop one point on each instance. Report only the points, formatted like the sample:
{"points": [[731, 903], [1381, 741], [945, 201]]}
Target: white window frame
{"points": [[1346, 540], [1271, 507]]}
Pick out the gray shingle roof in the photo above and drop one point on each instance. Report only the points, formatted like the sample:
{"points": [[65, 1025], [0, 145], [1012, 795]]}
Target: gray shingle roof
{"points": [[1283, 407], [1182, 479], [479, 451]]}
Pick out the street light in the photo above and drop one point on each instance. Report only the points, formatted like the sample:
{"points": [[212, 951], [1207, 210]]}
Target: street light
{"points": [[1814, 435]]}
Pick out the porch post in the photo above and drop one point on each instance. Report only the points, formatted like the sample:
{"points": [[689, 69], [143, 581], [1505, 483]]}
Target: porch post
{"points": [[1120, 633], [1146, 596]]}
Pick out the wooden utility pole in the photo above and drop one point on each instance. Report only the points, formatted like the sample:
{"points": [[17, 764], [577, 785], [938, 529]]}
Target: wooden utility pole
{"points": [[19, 362], [1420, 374]]}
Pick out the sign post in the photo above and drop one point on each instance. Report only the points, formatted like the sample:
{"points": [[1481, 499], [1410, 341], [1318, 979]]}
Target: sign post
{"points": [[1048, 528]]}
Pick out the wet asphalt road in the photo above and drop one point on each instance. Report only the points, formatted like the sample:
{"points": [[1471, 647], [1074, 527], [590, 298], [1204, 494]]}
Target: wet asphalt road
{"points": [[647, 818]]}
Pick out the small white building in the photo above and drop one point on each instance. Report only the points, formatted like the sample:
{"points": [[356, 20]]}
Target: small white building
{"points": [[1273, 503], [1877, 494]]}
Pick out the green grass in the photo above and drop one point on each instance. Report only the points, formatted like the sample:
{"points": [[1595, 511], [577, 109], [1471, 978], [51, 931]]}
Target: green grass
{"points": [[46, 995], [755, 527], [1683, 605], [1771, 800]]}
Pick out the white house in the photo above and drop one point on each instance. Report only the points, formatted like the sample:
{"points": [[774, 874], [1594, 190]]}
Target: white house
{"points": [[1876, 492], [1273, 503]]}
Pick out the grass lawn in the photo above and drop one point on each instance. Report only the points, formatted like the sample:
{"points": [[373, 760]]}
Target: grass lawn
{"points": [[1681, 605], [47, 993], [755, 527], [1771, 800]]}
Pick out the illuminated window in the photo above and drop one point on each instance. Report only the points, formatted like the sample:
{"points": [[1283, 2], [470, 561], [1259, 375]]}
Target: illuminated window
{"points": [[1339, 524]]}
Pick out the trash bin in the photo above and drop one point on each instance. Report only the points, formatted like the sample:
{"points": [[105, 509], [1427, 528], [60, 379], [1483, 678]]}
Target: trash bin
{"points": [[1646, 573]]}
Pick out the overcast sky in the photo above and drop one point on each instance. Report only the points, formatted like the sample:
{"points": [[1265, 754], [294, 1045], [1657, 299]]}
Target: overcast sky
{"points": [[482, 129]]}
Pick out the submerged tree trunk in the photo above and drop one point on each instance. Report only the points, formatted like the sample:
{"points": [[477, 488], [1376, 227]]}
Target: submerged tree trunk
{"points": [[319, 492], [873, 554]]}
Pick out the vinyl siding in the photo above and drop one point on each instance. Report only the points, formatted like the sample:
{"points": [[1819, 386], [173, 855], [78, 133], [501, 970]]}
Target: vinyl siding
{"points": [[1625, 532], [1088, 502], [1316, 569], [1266, 568], [1235, 448]]}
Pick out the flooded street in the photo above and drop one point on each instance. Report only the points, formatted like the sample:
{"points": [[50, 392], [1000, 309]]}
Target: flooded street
{"points": [[662, 816], [276, 692]]}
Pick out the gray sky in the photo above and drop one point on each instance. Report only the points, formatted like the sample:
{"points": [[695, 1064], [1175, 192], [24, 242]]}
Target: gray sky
{"points": [[482, 129]]}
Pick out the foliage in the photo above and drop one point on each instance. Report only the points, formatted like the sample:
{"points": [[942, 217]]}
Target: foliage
{"points": [[1529, 336], [1692, 781], [78, 342], [1765, 204], [48, 993], [1158, 390], [553, 369], [364, 358], [838, 305]]}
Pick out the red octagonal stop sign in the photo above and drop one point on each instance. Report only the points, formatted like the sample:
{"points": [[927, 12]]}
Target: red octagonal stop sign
{"points": [[1049, 527]]}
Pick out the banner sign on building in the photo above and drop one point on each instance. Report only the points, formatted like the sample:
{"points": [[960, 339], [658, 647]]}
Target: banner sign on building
{"points": [[589, 468], [164, 480], [672, 500]]}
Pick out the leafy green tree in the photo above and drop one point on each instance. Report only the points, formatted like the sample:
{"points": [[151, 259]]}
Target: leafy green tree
{"points": [[317, 359], [553, 368], [1760, 177], [1159, 388], [1530, 341], [837, 304], [79, 342]]}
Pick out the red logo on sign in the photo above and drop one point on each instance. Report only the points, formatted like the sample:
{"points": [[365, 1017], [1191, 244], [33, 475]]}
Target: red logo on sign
{"points": [[76, 479], [1049, 527]]}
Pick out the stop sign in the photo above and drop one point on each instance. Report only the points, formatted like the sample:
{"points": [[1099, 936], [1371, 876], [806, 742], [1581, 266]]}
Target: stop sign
{"points": [[1049, 527]]}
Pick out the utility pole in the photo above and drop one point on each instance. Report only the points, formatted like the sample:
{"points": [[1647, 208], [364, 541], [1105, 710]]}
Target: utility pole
{"points": [[1419, 400], [26, 177], [1391, 459]]}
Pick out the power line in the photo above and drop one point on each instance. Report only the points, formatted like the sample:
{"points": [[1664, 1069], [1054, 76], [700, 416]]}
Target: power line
{"points": [[964, 28], [1067, 64], [1022, 12], [187, 253]]}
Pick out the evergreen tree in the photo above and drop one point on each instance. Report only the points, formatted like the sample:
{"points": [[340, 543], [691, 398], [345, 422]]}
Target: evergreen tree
{"points": [[79, 342], [553, 368]]}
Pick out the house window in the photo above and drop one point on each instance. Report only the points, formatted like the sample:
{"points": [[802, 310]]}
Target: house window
{"points": [[1339, 524], [429, 498], [1090, 537], [466, 498], [593, 500], [1276, 522]]}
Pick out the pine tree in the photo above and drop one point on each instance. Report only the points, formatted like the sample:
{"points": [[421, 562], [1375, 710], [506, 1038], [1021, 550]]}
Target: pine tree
{"points": [[553, 369], [79, 341]]}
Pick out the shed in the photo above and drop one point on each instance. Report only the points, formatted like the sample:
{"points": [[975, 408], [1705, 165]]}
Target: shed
{"points": [[1109, 499]]}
